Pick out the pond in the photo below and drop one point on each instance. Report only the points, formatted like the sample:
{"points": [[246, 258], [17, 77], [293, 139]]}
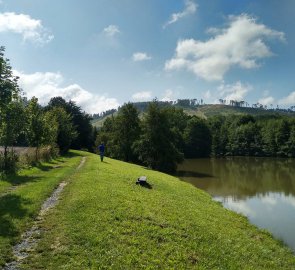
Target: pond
{"points": [[263, 189]]}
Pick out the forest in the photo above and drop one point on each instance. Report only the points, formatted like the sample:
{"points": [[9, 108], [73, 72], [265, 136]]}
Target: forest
{"points": [[164, 136]]}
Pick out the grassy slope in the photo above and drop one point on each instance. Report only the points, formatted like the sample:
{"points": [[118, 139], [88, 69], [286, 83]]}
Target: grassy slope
{"points": [[106, 221], [19, 206]]}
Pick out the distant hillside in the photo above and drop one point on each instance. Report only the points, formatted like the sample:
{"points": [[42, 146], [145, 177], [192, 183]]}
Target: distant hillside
{"points": [[203, 111], [218, 109]]}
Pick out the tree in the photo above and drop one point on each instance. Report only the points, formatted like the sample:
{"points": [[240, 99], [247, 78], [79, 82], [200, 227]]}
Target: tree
{"points": [[41, 130], [155, 147], [66, 132], [80, 121], [197, 138], [177, 120], [11, 109], [127, 131]]}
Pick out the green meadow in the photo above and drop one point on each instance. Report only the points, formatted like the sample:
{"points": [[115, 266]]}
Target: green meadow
{"points": [[105, 221]]}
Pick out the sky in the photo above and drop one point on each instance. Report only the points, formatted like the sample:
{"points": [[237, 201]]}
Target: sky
{"points": [[103, 53]]}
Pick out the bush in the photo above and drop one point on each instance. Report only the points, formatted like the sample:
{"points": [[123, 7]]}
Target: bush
{"points": [[28, 158], [10, 164]]}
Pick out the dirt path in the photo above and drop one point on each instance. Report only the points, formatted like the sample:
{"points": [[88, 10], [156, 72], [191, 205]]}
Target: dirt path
{"points": [[31, 237]]}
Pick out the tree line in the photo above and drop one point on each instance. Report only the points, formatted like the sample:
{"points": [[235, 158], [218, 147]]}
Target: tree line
{"points": [[59, 125], [245, 135], [164, 136]]}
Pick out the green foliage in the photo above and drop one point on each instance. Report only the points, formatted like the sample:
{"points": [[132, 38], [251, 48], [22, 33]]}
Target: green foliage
{"points": [[8, 162], [42, 127], [11, 112], [65, 131], [246, 135], [156, 146], [127, 130], [84, 138], [197, 138]]}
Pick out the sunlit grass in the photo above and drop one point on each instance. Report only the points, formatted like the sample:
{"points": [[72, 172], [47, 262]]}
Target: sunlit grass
{"points": [[20, 205], [106, 221]]}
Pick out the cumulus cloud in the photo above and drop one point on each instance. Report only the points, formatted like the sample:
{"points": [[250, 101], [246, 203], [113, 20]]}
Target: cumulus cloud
{"points": [[190, 8], [207, 94], [169, 95], [236, 91], [140, 56], [241, 43], [289, 100], [111, 30], [142, 96], [31, 30], [266, 100], [46, 85]]}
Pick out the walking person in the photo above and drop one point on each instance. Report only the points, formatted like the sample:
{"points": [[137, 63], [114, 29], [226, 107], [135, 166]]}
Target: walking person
{"points": [[101, 151]]}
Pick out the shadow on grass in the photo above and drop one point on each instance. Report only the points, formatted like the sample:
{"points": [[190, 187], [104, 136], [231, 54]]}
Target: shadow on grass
{"points": [[15, 179], [72, 154], [145, 185], [45, 168], [11, 208], [192, 174], [105, 162]]}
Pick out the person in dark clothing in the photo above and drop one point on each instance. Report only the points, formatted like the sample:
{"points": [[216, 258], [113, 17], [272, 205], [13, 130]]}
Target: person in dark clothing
{"points": [[101, 151]]}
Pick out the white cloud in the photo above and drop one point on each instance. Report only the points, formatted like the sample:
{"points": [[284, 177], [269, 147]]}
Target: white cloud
{"points": [[142, 96], [289, 100], [207, 94], [266, 100], [242, 207], [190, 8], [44, 86], [30, 29], [270, 201], [140, 56], [169, 95], [236, 91], [241, 43], [111, 30]]}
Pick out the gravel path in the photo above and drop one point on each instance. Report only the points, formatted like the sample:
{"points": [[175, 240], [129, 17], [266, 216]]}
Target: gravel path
{"points": [[31, 237]]}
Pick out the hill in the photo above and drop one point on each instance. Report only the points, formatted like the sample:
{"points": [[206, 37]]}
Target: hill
{"points": [[105, 221], [204, 111]]}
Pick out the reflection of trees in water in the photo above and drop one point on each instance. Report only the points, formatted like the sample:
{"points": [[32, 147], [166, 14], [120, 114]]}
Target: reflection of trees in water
{"points": [[245, 176], [249, 176]]}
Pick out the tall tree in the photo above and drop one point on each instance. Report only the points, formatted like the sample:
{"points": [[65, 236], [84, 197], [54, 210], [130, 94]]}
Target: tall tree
{"points": [[156, 147], [197, 138], [80, 121], [11, 109], [40, 129], [127, 131], [66, 132]]}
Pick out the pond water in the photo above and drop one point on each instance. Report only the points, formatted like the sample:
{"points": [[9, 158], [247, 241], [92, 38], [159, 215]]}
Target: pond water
{"points": [[263, 189]]}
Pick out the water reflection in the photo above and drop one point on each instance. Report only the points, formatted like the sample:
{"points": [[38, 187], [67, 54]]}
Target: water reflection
{"points": [[263, 189]]}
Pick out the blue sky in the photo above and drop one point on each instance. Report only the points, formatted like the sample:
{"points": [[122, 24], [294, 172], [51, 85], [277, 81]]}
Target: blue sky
{"points": [[102, 53]]}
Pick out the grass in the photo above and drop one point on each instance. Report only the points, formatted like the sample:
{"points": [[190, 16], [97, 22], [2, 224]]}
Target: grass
{"points": [[22, 195], [105, 221]]}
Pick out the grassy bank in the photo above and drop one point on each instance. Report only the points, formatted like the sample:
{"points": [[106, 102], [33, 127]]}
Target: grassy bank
{"points": [[105, 221], [22, 195]]}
